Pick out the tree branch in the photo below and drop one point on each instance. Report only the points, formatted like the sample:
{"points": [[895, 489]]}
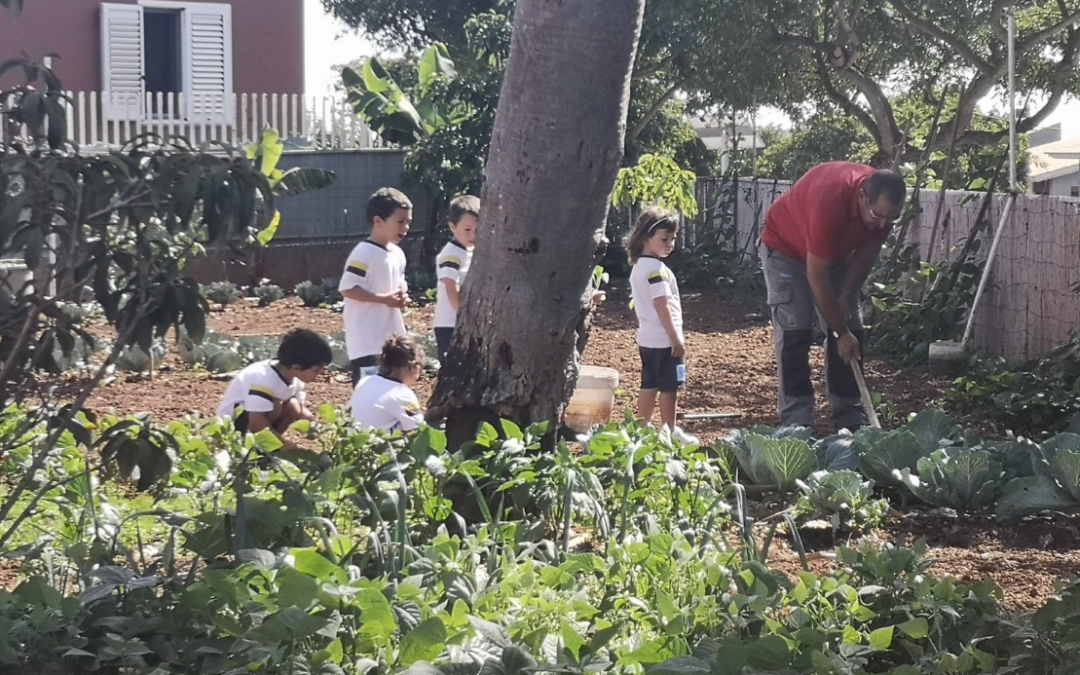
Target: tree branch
{"points": [[997, 27], [1070, 58], [803, 41], [888, 134], [651, 113], [880, 108], [847, 31], [935, 31], [649, 71], [845, 103], [1039, 38]]}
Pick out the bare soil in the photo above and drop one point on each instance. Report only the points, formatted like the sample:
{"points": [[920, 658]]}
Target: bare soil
{"points": [[730, 368]]}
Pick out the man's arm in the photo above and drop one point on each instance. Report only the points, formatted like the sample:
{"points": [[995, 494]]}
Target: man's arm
{"points": [[862, 261], [817, 273]]}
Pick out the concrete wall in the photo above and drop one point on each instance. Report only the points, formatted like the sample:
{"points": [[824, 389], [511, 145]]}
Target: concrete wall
{"points": [[1062, 185], [268, 42]]}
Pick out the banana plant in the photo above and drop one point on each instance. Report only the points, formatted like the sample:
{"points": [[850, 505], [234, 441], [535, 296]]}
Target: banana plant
{"points": [[266, 154], [384, 106]]}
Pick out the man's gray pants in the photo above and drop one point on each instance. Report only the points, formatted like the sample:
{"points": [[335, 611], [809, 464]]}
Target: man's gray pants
{"points": [[791, 302]]}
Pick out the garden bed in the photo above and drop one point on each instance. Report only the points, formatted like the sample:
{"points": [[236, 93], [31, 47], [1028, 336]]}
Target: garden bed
{"points": [[731, 369]]}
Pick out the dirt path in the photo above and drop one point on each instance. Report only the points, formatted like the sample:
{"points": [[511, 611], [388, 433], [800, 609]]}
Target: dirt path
{"points": [[730, 365]]}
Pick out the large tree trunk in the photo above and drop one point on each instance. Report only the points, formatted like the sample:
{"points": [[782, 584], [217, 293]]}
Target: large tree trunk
{"points": [[555, 150]]}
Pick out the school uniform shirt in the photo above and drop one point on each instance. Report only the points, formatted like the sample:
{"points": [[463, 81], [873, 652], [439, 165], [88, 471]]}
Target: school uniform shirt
{"points": [[382, 403], [376, 269], [256, 387], [452, 263], [651, 279]]}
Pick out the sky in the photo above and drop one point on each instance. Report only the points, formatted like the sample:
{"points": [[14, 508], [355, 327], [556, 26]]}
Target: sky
{"points": [[329, 42]]}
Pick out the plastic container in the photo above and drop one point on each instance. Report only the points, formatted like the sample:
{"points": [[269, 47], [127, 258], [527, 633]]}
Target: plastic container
{"points": [[593, 399]]}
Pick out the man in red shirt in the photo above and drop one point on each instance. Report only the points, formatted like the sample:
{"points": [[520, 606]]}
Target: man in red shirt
{"points": [[820, 242]]}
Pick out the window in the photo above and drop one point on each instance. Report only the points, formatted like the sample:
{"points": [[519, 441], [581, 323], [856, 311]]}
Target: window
{"points": [[1074, 190], [162, 55], [161, 46]]}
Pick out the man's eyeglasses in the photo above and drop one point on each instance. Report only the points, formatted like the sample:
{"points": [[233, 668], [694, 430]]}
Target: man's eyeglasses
{"points": [[888, 220]]}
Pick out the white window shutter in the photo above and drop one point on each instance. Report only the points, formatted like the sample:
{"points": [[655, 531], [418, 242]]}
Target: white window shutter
{"points": [[122, 65], [208, 66]]}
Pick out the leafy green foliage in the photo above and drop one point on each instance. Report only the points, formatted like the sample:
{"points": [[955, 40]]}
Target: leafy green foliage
{"points": [[656, 180], [364, 555], [268, 294], [779, 458], [311, 293], [965, 479], [926, 302], [223, 293], [1031, 397], [843, 497]]}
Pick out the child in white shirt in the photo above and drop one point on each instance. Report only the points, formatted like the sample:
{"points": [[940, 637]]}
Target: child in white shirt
{"points": [[659, 312], [451, 265], [385, 400], [373, 283], [270, 394]]}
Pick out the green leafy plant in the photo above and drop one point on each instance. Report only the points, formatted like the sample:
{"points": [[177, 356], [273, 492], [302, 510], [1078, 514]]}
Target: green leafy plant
{"points": [[965, 479], [779, 458], [656, 180], [311, 293], [330, 286], [268, 294], [224, 293], [1036, 396], [843, 497], [1055, 485]]}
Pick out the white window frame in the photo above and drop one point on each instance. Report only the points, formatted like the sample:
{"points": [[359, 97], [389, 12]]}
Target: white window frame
{"points": [[189, 112]]}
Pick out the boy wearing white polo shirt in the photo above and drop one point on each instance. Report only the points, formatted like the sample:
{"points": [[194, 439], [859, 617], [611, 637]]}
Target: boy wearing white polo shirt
{"points": [[451, 265], [373, 283], [270, 394]]}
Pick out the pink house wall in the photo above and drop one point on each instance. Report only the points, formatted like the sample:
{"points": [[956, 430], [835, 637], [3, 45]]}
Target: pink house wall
{"points": [[268, 42]]}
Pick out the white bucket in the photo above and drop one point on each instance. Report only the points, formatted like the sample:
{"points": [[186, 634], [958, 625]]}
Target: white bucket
{"points": [[593, 399]]}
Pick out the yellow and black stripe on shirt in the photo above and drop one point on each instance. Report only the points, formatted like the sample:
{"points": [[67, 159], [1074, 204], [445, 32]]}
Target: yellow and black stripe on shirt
{"points": [[450, 263], [657, 276], [356, 267], [261, 392]]}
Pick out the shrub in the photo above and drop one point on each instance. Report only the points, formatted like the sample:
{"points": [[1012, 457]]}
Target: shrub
{"points": [[223, 293], [310, 293], [268, 294], [330, 286]]}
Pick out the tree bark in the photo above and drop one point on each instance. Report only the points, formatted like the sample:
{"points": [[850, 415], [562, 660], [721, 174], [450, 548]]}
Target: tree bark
{"points": [[555, 151]]}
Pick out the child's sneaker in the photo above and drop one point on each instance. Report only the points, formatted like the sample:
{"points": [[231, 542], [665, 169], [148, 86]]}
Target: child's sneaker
{"points": [[682, 437]]}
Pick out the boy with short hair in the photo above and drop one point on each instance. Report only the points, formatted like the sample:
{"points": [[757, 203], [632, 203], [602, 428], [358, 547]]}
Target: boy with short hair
{"points": [[270, 394], [451, 265], [373, 284]]}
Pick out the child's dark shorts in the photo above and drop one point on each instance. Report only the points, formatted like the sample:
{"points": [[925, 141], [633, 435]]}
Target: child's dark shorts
{"points": [[660, 370]]}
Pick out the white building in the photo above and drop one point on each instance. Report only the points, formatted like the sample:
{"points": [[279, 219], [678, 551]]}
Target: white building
{"points": [[1054, 168]]}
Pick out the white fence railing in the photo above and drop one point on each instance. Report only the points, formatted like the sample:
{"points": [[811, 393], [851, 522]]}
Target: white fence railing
{"points": [[99, 122]]}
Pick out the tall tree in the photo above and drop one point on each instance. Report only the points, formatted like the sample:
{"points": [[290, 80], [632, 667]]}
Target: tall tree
{"points": [[554, 155], [858, 54]]}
